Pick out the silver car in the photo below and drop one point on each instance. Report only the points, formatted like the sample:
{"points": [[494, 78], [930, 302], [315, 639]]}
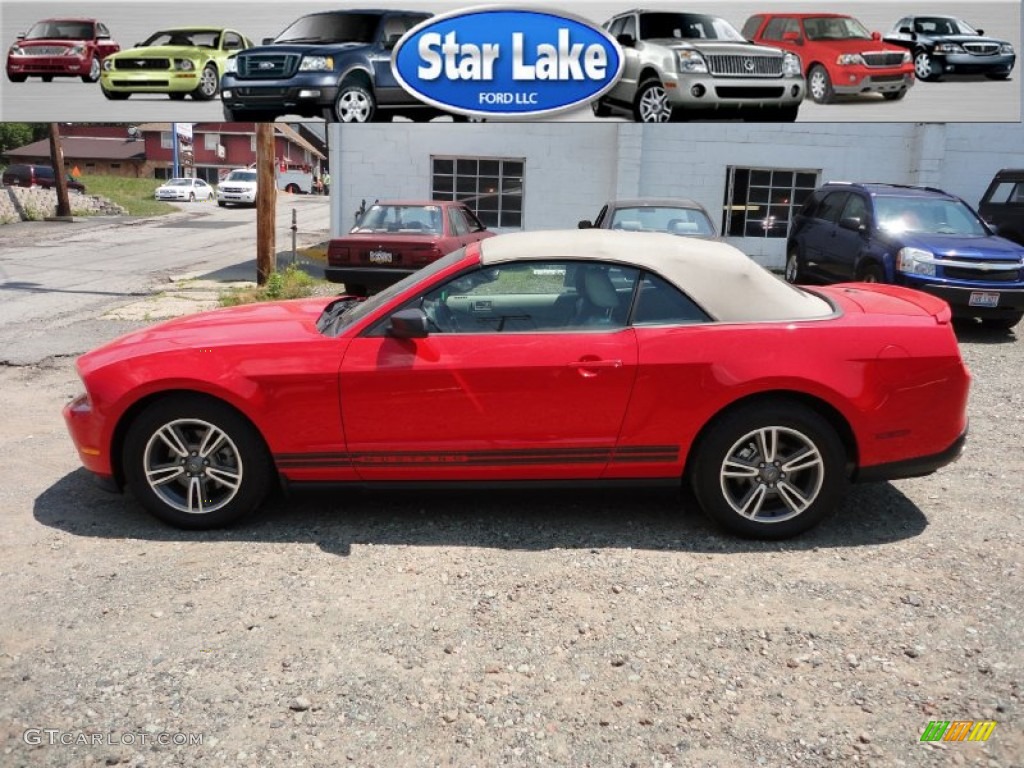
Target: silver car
{"points": [[684, 65]]}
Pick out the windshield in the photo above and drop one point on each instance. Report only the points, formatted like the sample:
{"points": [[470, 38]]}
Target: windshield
{"points": [[179, 183], [332, 28], [942, 25], [353, 313], [925, 215], [402, 219], [193, 38], [835, 28], [241, 176], [687, 26], [60, 30], [676, 221]]}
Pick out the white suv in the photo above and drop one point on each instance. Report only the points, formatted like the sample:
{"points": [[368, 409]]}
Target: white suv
{"points": [[238, 188]]}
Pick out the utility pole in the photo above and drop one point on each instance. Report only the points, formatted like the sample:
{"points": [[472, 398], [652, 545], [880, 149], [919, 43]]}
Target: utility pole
{"points": [[57, 159], [266, 202]]}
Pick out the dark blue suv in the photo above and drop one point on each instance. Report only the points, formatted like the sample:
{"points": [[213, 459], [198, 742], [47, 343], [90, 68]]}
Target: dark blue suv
{"points": [[919, 237], [335, 65]]}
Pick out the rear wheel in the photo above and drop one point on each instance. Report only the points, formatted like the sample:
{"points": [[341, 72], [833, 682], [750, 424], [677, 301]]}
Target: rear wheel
{"points": [[1002, 323], [209, 84], [794, 272], [819, 85], [770, 470], [196, 463], [600, 109], [222, 204], [651, 104], [94, 71], [47, 78], [293, 189], [175, 96]]}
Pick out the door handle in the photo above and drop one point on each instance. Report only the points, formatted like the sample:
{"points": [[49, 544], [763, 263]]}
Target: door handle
{"points": [[589, 368]]}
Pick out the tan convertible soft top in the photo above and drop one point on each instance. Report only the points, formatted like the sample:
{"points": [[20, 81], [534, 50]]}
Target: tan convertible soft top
{"points": [[722, 279]]}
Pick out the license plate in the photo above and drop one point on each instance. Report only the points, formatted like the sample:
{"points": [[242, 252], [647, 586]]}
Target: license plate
{"points": [[380, 257], [984, 299]]}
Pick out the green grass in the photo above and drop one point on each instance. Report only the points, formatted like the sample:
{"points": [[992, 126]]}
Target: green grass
{"points": [[288, 283], [134, 195]]}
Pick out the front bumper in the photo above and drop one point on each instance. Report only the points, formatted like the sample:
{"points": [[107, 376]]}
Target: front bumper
{"points": [[969, 64], [86, 430], [707, 91], [57, 66], [852, 80], [304, 93], [1010, 297], [166, 81], [246, 197]]}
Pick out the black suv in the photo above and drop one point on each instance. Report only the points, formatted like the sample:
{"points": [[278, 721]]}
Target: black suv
{"points": [[919, 237], [335, 65], [22, 175], [1003, 204]]}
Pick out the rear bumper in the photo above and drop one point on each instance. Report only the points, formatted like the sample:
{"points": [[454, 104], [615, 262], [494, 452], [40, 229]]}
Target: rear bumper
{"points": [[371, 277], [916, 467]]}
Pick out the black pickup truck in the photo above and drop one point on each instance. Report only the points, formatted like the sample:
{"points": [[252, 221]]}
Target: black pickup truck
{"points": [[1002, 206], [334, 64]]}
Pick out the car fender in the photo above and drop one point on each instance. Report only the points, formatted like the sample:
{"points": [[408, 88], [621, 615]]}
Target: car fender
{"points": [[358, 64]]}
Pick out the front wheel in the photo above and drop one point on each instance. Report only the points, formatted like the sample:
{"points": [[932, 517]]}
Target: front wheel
{"points": [[94, 71], [600, 109], [769, 471], [196, 463], [894, 95], [871, 273], [819, 84], [17, 78], [924, 66], [191, 197], [355, 104], [794, 272], [1002, 323], [209, 84], [651, 104]]}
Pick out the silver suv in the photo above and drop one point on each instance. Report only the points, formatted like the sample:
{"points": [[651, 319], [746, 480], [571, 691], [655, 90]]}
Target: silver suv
{"points": [[683, 65]]}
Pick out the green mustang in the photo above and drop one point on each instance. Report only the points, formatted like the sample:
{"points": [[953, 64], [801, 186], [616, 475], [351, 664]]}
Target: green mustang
{"points": [[177, 62]]}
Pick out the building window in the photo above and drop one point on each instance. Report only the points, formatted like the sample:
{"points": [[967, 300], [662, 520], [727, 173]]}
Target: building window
{"points": [[165, 140], [113, 166], [759, 202], [252, 142], [211, 141], [491, 187]]}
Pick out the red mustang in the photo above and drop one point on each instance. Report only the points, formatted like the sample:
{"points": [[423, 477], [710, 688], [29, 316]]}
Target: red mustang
{"points": [[551, 356], [61, 48], [394, 239]]}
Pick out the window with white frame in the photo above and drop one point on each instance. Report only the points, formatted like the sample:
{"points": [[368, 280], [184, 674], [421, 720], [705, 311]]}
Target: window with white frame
{"points": [[165, 140], [491, 187], [211, 141], [760, 202]]}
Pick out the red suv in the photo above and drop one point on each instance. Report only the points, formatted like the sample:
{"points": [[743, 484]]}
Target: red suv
{"points": [[839, 55], [61, 48], [394, 239]]}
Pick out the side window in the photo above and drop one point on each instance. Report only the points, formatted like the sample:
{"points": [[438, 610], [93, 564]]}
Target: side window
{"points": [[102, 31], [831, 206], [629, 26], [616, 28], [776, 27], [394, 28], [458, 222], [1006, 192], [232, 41], [751, 25], [658, 302], [856, 208], [474, 223]]}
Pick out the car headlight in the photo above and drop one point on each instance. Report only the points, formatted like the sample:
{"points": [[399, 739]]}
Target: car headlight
{"points": [[791, 64], [948, 48], [691, 62], [108, 65], [907, 58], [316, 64], [1006, 48], [231, 66], [915, 261], [185, 65], [17, 50], [849, 59], [75, 50]]}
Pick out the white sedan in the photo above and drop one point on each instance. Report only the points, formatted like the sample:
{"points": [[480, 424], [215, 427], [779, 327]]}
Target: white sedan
{"points": [[185, 189]]}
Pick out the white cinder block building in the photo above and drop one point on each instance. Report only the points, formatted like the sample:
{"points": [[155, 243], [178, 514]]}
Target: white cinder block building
{"points": [[750, 177]]}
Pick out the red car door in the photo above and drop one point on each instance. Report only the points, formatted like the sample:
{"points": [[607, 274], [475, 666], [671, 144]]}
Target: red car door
{"points": [[508, 392]]}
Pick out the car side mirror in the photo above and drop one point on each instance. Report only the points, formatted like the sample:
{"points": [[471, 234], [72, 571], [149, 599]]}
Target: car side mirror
{"points": [[876, 36], [792, 37], [626, 40], [391, 41], [981, 32], [906, 31], [103, 36], [268, 41], [853, 223], [409, 324], [21, 36], [585, 224]]}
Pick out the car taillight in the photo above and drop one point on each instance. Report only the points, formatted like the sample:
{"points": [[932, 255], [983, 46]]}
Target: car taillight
{"points": [[426, 255], [337, 254]]}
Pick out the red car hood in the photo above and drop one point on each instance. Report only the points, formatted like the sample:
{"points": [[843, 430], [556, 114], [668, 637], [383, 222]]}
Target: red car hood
{"points": [[282, 322], [37, 41]]}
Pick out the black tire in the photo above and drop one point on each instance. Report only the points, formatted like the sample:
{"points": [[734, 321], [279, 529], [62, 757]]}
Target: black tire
{"points": [[1002, 323], [17, 78], [787, 489], [292, 189], [997, 75], [114, 95], [794, 269], [47, 78], [356, 289], [209, 84], [894, 95], [94, 71], [771, 115], [188, 420], [871, 273], [924, 66], [355, 103], [600, 108], [651, 105], [176, 96], [819, 85], [222, 204]]}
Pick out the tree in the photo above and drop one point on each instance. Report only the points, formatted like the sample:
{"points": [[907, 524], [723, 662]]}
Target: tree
{"points": [[14, 135]]}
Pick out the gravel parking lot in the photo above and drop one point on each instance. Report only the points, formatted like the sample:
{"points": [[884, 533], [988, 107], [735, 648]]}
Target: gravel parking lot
{"points": [[583, 629]]}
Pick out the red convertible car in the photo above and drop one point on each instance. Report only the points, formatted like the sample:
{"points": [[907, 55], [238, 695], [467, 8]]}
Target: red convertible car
{"points": [[61, 48], [590, 355]]}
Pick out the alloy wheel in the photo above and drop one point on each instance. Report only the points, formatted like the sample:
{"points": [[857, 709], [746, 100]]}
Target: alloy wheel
{"points": [[354, 106], [654, 106], [208, 83]]}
